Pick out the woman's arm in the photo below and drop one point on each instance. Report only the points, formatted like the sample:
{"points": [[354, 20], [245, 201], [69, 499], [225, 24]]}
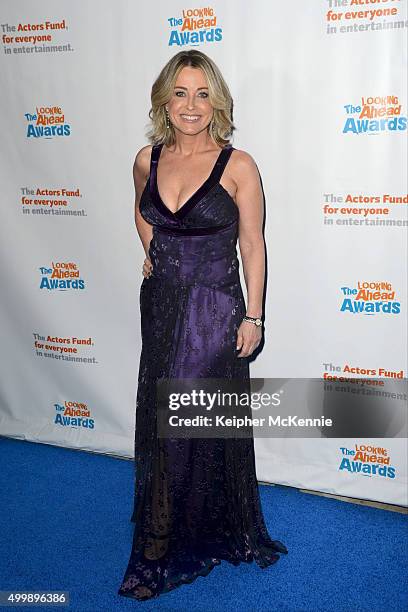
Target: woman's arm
{"points": [[141, 170], [250, 201]]}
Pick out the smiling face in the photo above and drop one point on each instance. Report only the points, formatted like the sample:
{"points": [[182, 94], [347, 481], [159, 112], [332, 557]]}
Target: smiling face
{"points": [[189, 107]]}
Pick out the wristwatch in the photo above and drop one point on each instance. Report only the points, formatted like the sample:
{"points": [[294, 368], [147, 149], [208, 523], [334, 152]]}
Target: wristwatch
{"points": [[257, 321]]}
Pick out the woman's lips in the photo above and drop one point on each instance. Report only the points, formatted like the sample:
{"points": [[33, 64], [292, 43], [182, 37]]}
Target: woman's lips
{"points": [[191, 118]]}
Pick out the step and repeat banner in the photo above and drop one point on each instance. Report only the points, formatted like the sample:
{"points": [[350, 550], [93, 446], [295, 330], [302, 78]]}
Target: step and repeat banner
{"points": [[320, 102]]}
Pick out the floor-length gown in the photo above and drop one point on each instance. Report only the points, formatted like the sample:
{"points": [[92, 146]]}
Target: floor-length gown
{"points": [[196, 500]]}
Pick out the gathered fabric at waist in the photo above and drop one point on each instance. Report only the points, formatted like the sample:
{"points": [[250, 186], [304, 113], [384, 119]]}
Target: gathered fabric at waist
{"points": [[205, 260]]}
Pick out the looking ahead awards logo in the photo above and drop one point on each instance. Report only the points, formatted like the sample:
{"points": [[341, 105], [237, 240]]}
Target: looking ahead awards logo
{"points": [[368, 460], [370, 298], [61, 276], [375, 115], [47, 122], [195, 26]]}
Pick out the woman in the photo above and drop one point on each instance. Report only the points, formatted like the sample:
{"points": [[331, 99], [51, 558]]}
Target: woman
{"points": [[196, 500]]}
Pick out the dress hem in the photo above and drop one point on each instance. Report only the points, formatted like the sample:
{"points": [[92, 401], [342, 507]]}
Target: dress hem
{"points": [[203, 573]]}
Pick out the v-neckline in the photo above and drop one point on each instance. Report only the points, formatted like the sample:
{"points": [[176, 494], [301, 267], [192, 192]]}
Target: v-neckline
{"points": [[195, 197]]}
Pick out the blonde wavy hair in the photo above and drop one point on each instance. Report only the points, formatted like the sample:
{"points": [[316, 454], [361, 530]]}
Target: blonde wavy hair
{"points": [[221, 126]]}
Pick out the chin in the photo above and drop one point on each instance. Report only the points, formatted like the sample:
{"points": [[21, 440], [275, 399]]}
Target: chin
{"points": [[188, 129]]}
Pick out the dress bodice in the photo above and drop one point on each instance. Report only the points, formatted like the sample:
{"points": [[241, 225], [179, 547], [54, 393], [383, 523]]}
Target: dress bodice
{"points": [[195, 245], [208, 210]]}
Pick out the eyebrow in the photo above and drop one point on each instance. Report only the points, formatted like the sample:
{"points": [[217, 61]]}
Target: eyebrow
{"points": [[181, 87]]}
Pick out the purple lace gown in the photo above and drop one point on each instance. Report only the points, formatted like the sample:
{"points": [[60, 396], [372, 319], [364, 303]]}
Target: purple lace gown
{"points": [[196, 500]]}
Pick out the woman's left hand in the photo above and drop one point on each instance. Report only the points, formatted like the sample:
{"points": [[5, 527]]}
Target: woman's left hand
{"points": [[249, 337]]}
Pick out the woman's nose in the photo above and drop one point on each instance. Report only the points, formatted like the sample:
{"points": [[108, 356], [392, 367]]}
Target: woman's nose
{"points": [[190, 103]]}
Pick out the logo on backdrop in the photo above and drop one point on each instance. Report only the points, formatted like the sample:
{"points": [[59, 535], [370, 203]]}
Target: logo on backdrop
{"points": [[362, 402], [366, 459], [338, 373], [62, 275], [28, 39], [47, 122], [45, 201], [374, 115], [64, 348], [351, 16], [195, 26], [370, 298], [365, 210], [73, 414]]}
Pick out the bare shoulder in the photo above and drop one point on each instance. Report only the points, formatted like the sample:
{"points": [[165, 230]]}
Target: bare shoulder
{"points": [[141, 164], [242, 157], [242, 166]]}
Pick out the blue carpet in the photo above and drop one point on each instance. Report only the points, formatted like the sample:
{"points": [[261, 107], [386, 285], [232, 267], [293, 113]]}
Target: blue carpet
{"points": [[65, 525]]}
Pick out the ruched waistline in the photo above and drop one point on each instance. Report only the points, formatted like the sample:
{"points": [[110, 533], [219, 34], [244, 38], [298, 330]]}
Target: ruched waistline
{"points": [[192, 231]]}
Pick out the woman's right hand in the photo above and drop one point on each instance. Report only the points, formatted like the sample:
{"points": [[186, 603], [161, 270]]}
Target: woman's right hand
{"points": [[147, 268]]}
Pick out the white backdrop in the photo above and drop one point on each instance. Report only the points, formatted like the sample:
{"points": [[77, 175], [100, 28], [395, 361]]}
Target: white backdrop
{"points": [[74, 109]]}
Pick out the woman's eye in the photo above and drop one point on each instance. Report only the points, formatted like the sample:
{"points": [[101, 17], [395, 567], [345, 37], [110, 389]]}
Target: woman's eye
{"points": [[202, 94]]}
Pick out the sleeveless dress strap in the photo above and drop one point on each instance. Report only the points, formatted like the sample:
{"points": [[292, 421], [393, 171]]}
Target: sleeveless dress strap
{"points": [[221, 163], [154, 158], [155, 154]]}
